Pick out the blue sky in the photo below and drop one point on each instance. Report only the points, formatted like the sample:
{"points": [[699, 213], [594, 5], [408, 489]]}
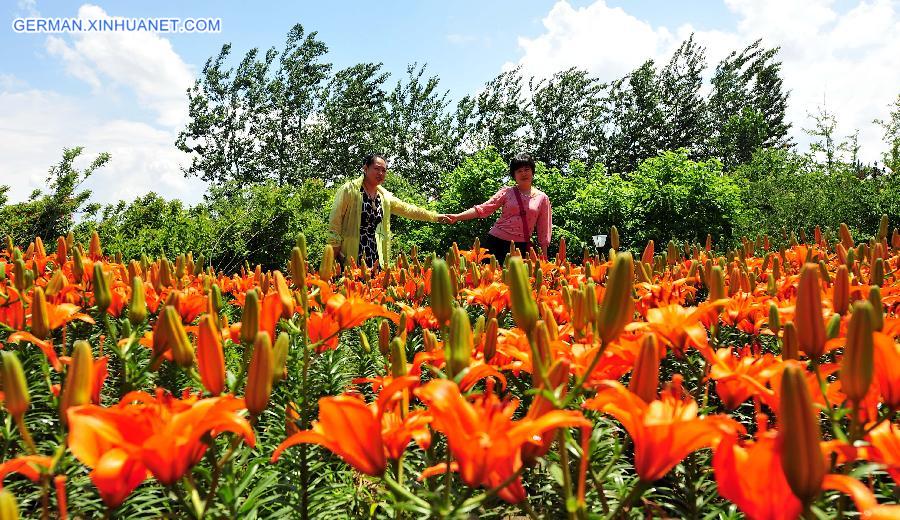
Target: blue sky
{"points": [[123, 92]]}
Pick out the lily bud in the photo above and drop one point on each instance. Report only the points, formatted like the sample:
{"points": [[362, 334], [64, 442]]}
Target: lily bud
{"points": [[398, 358], [774, 318], [524, 308], [216, 302], [883, 227], [137, 309], [182, 350], [833, 326], [56, 284], [846, 237], [877, 272], [179, 267], [15, 388], [841, 252], [618, 306], [544, 351], [709, 243], [165, 272], [326, 268], [62, 253], [799, 436], [442, 295], [458, 347], [790, 348], [384, 338], [429, 342], [102, 296], [9, 509], [841, 290], [79, 379], [823, 272], [716, 284], [614, 238], [298, 268], [561, 252], [40, 319], [877, 308], [284, 294], [250, 318], [280, 352], [259, 374], [94, 249], [857, 363], [647, 255], [19, 273], [490, 339], [552, 326], [210, 357], [645, 376], [808, 315]]}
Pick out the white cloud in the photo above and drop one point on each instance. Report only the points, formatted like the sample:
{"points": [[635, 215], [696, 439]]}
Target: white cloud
{"points": [[846, 58], [28, 8], [36, 125], [461, 39], [142, 62]]}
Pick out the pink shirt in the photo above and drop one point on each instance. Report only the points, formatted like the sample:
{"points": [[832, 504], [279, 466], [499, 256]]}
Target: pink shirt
{"points": [[509, 225]]}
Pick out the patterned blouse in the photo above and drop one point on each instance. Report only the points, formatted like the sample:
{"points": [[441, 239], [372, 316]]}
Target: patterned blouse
{"points": [[372, 213]]}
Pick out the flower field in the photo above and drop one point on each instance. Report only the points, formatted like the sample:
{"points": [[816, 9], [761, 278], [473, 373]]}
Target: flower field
{"points": [[759, 382]]}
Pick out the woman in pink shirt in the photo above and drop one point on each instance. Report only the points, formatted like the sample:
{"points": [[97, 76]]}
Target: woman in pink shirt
{"points": [[511, 226]]}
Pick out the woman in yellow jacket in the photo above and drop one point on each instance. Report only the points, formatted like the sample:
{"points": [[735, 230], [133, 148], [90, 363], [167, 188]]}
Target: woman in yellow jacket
{"points": [[360, 222]]}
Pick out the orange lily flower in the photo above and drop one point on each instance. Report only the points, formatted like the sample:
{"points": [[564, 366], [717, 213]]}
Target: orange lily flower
{"points": [[322, 327], [494, 295], [45, 346], [885, 448], [863, 498], [738, 378], [12, 310], [483, 439], [61, 314], [421, 316], [28, 465], [738, 470], [677, 327], [663, 293], [161, 435], [887, 369], [663, 431], [364, 436], [355, 310]]}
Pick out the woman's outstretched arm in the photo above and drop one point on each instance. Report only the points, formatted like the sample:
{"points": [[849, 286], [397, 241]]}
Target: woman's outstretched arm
{"points": [[484, 209]]}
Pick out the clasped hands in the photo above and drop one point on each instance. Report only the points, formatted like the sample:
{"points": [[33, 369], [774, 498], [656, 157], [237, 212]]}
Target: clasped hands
{"points": [[445, 218]]}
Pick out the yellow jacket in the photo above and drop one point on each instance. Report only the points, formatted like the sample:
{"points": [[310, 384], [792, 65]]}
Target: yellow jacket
{"points": [[346, 216]]}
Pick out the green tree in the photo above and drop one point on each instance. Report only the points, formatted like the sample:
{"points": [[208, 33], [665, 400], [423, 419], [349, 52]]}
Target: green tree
{"points": [[248, 123], [421, 140], [685, 114], [351, 121], [49, 215], [636, 116], [747, 79], [495, 117], [891, 128], [564, 117]]}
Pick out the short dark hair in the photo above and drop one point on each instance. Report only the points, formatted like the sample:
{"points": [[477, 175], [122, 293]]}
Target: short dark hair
{"points": [[519, 161], [370, 158]]}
